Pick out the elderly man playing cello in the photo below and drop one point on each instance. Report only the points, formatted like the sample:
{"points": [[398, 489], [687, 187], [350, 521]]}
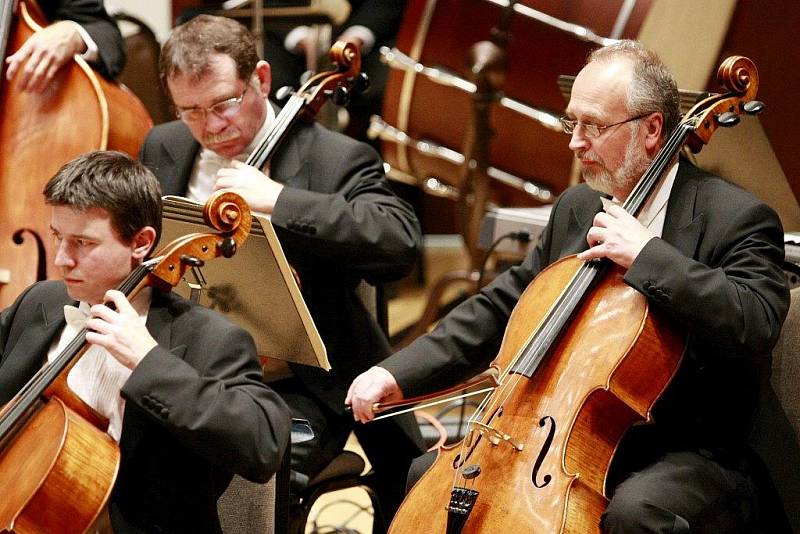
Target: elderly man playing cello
{"points": [[180, 385], [703, 252]]}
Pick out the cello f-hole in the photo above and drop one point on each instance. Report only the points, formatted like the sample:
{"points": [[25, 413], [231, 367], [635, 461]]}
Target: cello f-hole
{"points": [[41, 255], [542, 453]]}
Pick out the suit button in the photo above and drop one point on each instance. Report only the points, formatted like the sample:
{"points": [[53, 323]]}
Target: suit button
{"points": [[164, 413]]}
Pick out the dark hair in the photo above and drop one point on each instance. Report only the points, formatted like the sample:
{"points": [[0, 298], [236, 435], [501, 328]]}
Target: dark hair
{"points": [[112, 181], [653, 88], [191, 45]]}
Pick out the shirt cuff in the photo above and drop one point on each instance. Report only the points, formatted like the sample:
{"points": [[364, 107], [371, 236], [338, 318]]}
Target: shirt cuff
{"points": [[363, 33], [294, 37], [91, 54]]}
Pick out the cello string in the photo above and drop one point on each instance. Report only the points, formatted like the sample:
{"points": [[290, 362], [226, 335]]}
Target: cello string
{"points": [[540, 341], [32, 391], [503, 392], [536, 346], [287, 115]]}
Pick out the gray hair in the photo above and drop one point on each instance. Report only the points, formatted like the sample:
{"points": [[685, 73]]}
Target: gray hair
{"points": [[653, 88]]}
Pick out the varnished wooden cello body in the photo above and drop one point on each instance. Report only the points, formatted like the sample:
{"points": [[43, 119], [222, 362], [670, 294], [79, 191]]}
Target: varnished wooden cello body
{"points": [[57, 464], [79, 112], [582, 359]]}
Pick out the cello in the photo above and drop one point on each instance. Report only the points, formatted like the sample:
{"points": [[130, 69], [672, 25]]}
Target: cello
{"points": [[538, 449], [79, 112], [57, 463]]}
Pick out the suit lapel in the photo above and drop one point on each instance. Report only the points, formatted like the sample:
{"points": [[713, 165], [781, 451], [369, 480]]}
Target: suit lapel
{"points": [[30, 350], [682, 226], [580, 220], [159, 324], [288, 166], [178, 157]]}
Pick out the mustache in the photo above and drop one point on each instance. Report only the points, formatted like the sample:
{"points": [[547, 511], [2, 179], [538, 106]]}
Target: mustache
{"points": [[587, 155], [221, 137]]}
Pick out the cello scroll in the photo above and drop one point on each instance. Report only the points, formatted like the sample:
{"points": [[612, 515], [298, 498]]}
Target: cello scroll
{"points": [[739, 75]]}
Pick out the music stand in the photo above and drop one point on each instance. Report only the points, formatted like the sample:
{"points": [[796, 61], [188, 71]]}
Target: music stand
{"points": [[255, 288]]}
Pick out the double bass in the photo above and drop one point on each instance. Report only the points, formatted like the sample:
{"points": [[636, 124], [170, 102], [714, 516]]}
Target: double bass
{"points": [[538, 448], [57, 463], [80, 111]]}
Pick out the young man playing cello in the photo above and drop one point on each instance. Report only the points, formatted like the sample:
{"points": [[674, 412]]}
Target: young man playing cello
{"points": [[703, 252], [180, 385]]}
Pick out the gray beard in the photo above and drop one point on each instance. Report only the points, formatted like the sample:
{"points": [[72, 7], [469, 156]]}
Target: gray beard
{"points": [[625, 177]]}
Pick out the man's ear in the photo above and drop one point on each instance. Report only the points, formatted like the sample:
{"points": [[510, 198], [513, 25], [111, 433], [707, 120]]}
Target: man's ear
{"points": [[264, 73], [143, 241], [654, 125]]}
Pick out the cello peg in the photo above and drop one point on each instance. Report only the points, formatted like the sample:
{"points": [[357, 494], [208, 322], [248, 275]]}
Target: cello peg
{"points": [[361, 83], [340, 96], [192, 261], [754, 107], [728, 119], [227, 247], [306, 76], [283, 93]]}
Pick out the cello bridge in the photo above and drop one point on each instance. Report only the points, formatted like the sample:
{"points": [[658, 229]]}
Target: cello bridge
{"points": [[494, 436]]}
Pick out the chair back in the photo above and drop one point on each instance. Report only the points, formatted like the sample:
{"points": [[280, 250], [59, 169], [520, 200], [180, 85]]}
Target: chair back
{"points": [[776, 437], [247, 507], [786, 365]]}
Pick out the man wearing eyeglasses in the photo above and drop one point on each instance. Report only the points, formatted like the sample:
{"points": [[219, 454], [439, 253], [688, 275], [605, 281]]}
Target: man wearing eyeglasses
{"points": [[703, 252], [337, 219]]}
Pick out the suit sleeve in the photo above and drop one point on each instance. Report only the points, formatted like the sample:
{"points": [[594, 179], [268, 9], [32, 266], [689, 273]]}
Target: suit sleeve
{"points": [[350, 216], [738, 300], [469, 337], [382, 17], [213, 399], [92, 16]]}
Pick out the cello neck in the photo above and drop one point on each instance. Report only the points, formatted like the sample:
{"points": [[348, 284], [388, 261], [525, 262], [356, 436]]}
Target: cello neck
{"points": [[15, 414], [644, 187], [587, 275], [268, 144]]}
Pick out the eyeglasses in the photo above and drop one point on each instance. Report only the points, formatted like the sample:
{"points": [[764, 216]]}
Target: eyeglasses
{"points": [[592, 131], [226, 109]]}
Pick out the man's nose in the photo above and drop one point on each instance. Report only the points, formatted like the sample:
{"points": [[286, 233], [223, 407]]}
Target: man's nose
{"points": [[215, 123], [63, 257], [578, 140]]}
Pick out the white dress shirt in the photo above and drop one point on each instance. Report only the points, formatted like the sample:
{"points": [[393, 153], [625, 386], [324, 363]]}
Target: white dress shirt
{"points": [[654, 210], [98, 377]]}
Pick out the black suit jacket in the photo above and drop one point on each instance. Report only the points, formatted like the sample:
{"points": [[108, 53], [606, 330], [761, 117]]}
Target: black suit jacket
{"points": [[716, 271], [196, 410], [98, 24], [382, 17], [338, 222]]}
